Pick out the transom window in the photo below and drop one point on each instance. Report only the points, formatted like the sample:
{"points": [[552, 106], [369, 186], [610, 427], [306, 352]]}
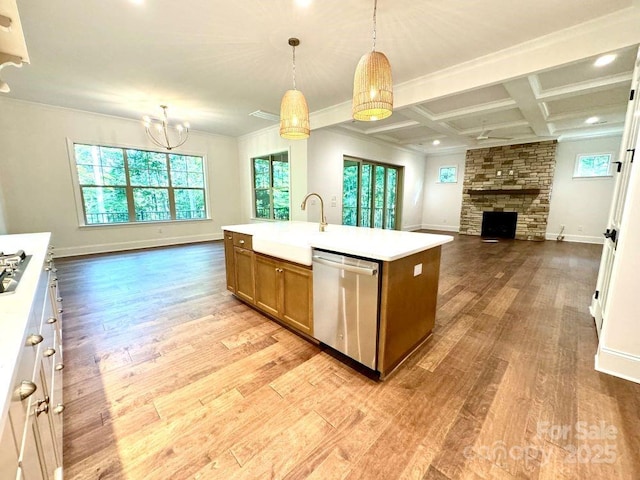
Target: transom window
{"points": [[448, 174], [593, 165], [271, 186], [124, 185]]}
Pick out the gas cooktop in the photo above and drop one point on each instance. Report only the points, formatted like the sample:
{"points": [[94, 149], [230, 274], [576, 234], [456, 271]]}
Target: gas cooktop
{"points": [[12, 267]]}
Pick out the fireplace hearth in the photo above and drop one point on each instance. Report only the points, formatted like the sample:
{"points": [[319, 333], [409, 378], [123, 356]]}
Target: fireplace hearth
{"points": [[499, 224]]}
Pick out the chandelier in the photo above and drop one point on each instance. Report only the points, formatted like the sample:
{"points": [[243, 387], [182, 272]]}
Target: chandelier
{"points": [[372, 84], [294, 112], [163, 134]]}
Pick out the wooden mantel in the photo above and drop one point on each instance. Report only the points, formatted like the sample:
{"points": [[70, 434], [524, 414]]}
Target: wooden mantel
{"points": [[502, 191]]}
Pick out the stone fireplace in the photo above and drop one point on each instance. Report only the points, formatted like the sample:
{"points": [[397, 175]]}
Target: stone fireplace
{"points": [[512, 178]]}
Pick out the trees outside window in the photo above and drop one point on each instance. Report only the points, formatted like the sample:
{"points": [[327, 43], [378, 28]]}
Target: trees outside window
{"points": [[593, 165], [123, 185], [271, 186], [370, 194]]}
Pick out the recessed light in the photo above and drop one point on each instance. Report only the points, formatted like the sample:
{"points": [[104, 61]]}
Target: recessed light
{"points": [[303, 3], [605, 60], [436, 142], [592, 120], [137, 2]]}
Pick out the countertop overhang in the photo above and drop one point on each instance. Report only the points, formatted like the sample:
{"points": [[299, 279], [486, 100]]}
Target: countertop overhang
{"points": [[294, 241]]}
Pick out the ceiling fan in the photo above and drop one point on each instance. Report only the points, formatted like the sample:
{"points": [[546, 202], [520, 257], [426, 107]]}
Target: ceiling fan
{"points": [[484, 135]]}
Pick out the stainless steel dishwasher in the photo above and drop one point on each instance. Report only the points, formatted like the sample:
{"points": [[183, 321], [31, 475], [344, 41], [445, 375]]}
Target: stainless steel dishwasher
{"points": [[345, 305]]}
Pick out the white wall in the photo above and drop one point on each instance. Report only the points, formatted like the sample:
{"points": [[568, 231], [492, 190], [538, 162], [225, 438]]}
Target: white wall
{"points": [[266, 142], [580, 204], [3, 225], [325, 161], [35, 178], [442, 201]]}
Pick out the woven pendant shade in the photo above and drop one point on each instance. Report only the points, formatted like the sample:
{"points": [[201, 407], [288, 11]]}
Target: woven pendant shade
{"points": [[372, 88], [294, 116]]}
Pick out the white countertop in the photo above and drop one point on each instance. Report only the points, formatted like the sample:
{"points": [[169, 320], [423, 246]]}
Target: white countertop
{"points": [[15, 308], [294, 240]]}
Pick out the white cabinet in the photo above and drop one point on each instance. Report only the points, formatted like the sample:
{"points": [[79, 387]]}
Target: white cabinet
{"points": [[32, 435]]}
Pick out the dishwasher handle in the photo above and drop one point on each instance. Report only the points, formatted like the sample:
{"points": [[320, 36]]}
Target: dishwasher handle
{"points": [[342, 266]]}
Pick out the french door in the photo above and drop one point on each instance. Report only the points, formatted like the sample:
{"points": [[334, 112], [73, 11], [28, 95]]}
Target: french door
{"points": [[622, 170], [371, 194]]}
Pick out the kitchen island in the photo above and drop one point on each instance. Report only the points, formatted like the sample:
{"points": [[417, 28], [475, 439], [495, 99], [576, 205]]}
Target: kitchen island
{"points": [[272, 266]]}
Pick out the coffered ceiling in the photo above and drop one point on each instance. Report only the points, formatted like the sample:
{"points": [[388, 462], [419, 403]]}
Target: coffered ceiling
{"points": [[214, 62], [555, 103]]}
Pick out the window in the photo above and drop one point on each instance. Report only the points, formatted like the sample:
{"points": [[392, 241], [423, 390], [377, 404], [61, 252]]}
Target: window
{"points": [[593, 165], [448, 174], [370, 194], [271, 186], [123, 185]]}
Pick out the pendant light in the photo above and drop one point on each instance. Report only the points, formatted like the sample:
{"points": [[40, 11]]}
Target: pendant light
{"points": [[294, 112], [372, 84]]}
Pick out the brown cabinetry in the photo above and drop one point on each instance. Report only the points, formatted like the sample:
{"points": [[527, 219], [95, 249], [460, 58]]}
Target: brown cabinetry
{"points": [[284, 290], [279, 288], [229, 261]]}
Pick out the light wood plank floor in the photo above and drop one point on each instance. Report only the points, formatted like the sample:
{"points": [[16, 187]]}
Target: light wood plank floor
{"points": [[169, 377]]}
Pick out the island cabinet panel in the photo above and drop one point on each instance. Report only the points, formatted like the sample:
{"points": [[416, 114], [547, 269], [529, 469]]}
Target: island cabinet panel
{"points": [[408, 306], [297, 297], [229, 261], [284, 290], [267, 285], [244, 278]]}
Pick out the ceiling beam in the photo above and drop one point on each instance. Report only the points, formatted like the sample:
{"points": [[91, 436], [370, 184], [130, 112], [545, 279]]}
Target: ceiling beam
{"points": [[391, 127], [495, 126], [583, 88], [491, 107], [522, 91]]}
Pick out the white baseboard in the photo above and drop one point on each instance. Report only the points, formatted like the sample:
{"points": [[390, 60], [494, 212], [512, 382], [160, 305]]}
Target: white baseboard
{"points": [[411, 228], [122, 246], [444, 228], [577, 238], [618, 364]]}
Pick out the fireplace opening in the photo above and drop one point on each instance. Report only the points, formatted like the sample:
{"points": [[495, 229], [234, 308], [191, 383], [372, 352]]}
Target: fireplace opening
{"points": [[499, 224]]}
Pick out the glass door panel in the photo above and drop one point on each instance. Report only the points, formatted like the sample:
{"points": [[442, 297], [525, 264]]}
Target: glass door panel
{"points": [[392, 194], [366, 195], [378, 215]]}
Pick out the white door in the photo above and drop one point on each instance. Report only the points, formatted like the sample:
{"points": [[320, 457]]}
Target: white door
{"points": [[622, 170]]}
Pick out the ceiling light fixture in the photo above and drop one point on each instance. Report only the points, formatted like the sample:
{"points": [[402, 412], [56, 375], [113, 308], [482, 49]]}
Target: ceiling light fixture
{"points": [[294, 112], [592, 120], [303, 3], [436, 142], [162, 128], [604, 60], [372, 83]]}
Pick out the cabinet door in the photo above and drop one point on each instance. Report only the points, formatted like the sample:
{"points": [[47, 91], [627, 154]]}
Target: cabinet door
{"points": [[229, 262], [296, 297], [244, 273], [8, 452], [267, 284]]}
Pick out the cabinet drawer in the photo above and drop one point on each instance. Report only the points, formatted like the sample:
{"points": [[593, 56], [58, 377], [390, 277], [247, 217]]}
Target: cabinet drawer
{"points": [[242, 240]]}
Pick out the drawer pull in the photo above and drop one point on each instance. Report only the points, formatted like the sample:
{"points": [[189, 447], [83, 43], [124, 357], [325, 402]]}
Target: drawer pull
{"points": [[241, 242], [34, 339], [58, 409], [51, 320], [42, 406], [49, 352], [229, 238], [60, 310], [59, 366], [25, 390], [59, 299]]}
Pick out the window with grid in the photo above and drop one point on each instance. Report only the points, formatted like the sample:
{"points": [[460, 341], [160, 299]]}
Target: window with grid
{"points": [[124, 185], [271, 186], [593, 165]]}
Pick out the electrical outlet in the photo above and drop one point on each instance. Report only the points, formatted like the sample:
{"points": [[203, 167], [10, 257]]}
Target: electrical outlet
{"points": [[499, 173], [159, 230], [580, 228]]}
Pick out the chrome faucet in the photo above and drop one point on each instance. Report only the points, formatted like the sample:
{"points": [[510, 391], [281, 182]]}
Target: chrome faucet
{"points": [[323, 220]]}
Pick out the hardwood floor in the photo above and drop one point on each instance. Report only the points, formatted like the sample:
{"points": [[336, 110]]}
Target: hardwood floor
{"points": [[168, 376]]}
